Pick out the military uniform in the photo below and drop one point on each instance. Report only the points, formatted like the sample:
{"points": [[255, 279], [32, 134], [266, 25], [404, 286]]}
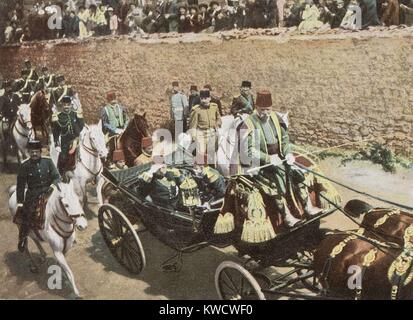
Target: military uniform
{"points": [[114, 117], [214, 183], [24, 87], [242, 104], [66, 128], [143, 158], [44, 82], [57, 94], [38, 177], [203, 123]]}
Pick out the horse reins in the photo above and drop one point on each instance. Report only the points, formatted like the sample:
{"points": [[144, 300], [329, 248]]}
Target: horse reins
{"points": [[92, 152], [24, 125]]}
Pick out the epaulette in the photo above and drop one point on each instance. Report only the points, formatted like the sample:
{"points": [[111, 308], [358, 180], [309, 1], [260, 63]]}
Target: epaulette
{"points": [[55, 117], [195, 107]]}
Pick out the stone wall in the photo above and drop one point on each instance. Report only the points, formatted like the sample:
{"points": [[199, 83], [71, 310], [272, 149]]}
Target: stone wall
{"points": [[336, 89]]}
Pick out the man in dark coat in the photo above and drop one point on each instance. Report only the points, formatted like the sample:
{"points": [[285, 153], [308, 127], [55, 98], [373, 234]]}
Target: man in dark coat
{"points": [[38, 174]]}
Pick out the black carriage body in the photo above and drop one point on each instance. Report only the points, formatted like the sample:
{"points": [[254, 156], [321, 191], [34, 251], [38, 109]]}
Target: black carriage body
{"points": [[177, 229]]}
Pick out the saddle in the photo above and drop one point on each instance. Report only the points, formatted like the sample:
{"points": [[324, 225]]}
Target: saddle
{"points": [[38, 217]]}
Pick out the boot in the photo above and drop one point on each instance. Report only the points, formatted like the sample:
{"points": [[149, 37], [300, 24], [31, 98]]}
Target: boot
{"points": [[310, 209], [23, 233], [289, 220]]}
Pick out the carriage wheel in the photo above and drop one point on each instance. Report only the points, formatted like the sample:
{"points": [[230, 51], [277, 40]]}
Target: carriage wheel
{"points": [[121, 238], [311, 283], [234, 282]]}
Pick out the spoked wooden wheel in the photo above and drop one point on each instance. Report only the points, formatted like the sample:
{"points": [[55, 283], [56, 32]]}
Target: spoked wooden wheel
{"points": [[234, 282], [121, 238], [311, 283]]}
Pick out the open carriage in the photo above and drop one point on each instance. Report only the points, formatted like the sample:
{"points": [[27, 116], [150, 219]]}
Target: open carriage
{"points": [[125, 212]]}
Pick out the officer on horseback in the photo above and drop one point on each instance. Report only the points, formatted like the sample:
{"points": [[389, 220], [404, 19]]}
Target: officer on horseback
{"points": [[114, 116], [46, 80], [9, 104], [273, 151], [25, 86], [62, 90], [39, 175], [66, 128], [31, 71]]}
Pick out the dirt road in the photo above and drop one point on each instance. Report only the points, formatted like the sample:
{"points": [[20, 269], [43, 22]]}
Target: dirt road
{"points": [[99, 276]]}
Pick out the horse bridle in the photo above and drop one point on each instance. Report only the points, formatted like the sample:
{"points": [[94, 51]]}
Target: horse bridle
{"points": [[24, 125], [92, 151], [139, 130]]}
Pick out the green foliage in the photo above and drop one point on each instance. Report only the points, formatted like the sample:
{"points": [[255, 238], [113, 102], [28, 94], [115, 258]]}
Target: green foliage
{"points": [[377, 153]]}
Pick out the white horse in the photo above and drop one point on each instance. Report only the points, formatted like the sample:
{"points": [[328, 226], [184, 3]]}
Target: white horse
{"points": [[23, 131], [63, 214], [92, 148]]}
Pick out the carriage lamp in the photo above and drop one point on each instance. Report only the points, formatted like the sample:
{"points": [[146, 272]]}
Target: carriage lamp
{"points": [[190, 194]]}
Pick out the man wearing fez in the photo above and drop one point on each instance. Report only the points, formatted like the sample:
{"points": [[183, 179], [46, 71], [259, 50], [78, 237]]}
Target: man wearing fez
{"points": [[203, 124], [39, 175], [114, 116], [264, 137], [244, 102], [146, 155], [179, 106]]}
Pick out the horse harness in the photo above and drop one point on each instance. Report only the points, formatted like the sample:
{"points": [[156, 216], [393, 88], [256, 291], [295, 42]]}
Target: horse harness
{"points": [[65, 235], [92, 151], [24, 125]]}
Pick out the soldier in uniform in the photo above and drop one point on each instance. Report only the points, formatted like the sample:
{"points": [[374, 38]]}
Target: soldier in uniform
{"points": [[273, 149], [9, 103], [179, 107], [66, 128], [62, 90], [38, 174], [46, 80], [203, 124], [244, 102], [114, 116], [214, 99], [32, 74], [25, 86]]}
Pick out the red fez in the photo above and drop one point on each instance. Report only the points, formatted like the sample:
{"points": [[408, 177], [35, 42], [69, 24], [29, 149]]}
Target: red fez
{"points": [[111, 95], [264, 99], [175, 83], [193, 87]]}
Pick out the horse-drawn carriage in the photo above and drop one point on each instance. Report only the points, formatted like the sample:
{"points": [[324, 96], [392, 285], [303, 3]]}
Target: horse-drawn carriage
{"points": [[125, 213]]}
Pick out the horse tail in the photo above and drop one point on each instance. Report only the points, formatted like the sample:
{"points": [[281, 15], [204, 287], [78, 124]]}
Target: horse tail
{"points": [[355, 208], [11, 190]]}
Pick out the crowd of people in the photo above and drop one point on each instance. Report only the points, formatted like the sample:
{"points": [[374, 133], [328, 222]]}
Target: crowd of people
{"points": [[85, 18]]}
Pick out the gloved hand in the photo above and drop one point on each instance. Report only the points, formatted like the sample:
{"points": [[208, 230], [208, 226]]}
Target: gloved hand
{"points": [[58, 149], [290, 159], [275, 160]]}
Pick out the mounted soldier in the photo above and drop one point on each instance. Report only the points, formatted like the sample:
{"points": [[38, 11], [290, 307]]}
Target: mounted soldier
{"points": [[31, 71], [9, 104], [66, 128], [46, 80], [264, 137], [244, 102], [24, 86], [39, 175], [57, 93], [114, 116]]}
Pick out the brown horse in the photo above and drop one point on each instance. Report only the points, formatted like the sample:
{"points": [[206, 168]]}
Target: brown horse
{"points": [[385, 224], [130, 141], [384, 272], [41, 113]]}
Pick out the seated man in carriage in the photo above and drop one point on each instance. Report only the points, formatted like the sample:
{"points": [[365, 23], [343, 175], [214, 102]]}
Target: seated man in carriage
{"points": [[264, 137], [176, 188], [66, 128]]}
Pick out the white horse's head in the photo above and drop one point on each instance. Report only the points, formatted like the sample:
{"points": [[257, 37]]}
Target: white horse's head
{"points": [[71, 205], [24, 116], [97, 139]]}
